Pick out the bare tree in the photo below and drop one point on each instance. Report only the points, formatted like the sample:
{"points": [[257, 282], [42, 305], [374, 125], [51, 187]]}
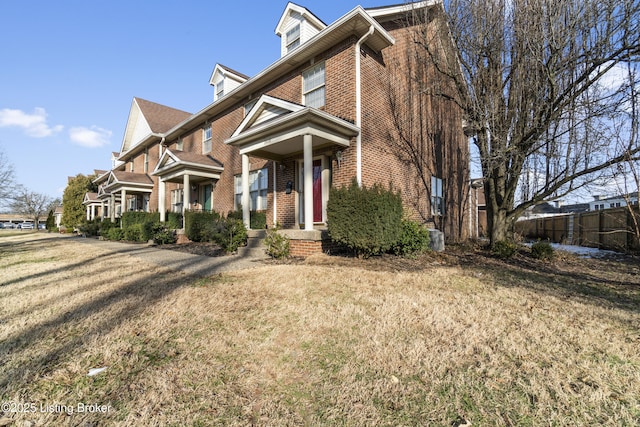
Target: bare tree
{"points": [[6, 179], [32, 205], [530, 81]]}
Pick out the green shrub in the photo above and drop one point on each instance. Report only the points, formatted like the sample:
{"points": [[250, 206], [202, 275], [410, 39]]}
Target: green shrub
{"points": [[368, 221], [198, 224], [162, 235], [542, 250], [414, 239], [278, 245], [115, 234], [90, 228], [105, 226], [504, 249], [173, 220], [258, 220], [134, 233], [130, 218], [230, 234]]}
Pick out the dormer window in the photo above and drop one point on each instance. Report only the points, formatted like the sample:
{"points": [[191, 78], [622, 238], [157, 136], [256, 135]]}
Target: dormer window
{"points": [[219, 89], [297, 26], [293, 38]]}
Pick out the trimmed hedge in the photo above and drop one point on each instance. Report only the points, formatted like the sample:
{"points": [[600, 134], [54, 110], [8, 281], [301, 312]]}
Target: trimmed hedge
{"points": [[130, 218], [368, 221]]}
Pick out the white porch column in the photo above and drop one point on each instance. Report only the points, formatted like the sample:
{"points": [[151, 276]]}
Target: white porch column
{"points": [[307, 147], [88, 215], [246, 213], [102, 209], [112, 207], [93, 212], [186, 180], [161, 199], [123, 203]]}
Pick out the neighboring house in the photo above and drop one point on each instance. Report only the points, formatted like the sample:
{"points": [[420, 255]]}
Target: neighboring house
{"points": [[600, 202], [277, 142]]}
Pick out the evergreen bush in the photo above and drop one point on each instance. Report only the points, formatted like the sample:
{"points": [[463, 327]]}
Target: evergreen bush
{"points": [[115, 234], [542, 250], [198, 225], [173, 220], [368, 221], [504, 249], [162, 235], [413, 240], [278, 245]]}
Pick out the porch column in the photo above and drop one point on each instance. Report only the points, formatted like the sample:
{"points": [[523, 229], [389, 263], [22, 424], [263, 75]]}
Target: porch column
{"points": [[93, 212], [307, 148], [123, 203], [161, 200], [246, 213], [186, 181], [112, 207], [87, 215], [102, 209]]}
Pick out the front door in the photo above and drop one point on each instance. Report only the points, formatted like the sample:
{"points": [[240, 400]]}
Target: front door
{"points": [[206, 198], [317, 191]]}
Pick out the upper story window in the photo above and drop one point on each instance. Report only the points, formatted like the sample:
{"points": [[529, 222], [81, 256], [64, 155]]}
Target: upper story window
{"points": [[292, 38], [313, 86], [146, 160], [219, 89], [206, 140]]}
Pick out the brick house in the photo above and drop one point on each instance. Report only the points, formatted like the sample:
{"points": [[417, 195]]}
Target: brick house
{"points": [[316, 118]]}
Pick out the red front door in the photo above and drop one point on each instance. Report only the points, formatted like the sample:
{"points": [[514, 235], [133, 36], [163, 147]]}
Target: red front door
{"points": [[317, 191]]}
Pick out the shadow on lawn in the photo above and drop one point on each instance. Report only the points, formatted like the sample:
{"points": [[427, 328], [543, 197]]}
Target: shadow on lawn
{"points": [[136, 296], [595, 281]]}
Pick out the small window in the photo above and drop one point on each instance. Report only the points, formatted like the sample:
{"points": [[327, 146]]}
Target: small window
{"points": [[146, 160], [437, 199], [293, 38], [219, 89], [206, 140], [313, 86]]}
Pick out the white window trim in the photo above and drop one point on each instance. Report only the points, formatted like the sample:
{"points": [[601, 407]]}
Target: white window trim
{"points": [[219, 89], [291, 44], [207, 145], [316, 88], [262, 192]]}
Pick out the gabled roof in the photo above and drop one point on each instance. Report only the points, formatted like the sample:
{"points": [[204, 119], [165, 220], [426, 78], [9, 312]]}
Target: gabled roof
{"points": [[357, 22], [266, 109], [172, 163], [148, 118], [90, 198], [227, 72], [304, 12], [133, 178]]}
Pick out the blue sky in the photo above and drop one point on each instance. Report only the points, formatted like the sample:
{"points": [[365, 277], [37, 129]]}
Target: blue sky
{"points": [[70, 69]]}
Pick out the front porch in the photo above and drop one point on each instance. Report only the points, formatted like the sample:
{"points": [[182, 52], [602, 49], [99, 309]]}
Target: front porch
{"points": [[301, 142]]}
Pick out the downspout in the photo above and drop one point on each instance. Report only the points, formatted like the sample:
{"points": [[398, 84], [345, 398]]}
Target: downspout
{"points": [[161, 145], [359, 105]]}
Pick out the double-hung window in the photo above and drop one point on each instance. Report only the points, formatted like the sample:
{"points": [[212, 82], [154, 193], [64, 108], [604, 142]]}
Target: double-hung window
{"points": [[219, 89], [258, 183], [293, 38], [437, 198], [177, 197], [206, 140], [313, 86]]}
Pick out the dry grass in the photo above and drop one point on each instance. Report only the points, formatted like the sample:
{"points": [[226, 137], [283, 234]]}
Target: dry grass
{"points": [[326, 342]]}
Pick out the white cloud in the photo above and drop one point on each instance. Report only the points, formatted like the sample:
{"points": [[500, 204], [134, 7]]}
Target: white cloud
{"points": [[92, 137], [34, 124]]}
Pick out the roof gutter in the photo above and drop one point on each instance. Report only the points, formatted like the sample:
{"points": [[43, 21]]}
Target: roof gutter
{"points": [[359, 104]]}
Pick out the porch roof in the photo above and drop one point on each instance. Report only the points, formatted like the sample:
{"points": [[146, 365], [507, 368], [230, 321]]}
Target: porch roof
{"points": [[129, 181], [282, 136], [173, 165], [91, 198]]}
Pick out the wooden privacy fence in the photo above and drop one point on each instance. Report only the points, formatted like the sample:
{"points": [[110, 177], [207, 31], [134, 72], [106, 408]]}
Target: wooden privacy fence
{"points": [[606, 229]]}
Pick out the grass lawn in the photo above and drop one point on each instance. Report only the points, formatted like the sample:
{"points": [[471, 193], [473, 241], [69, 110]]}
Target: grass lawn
{"points": [[328, 341]]}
